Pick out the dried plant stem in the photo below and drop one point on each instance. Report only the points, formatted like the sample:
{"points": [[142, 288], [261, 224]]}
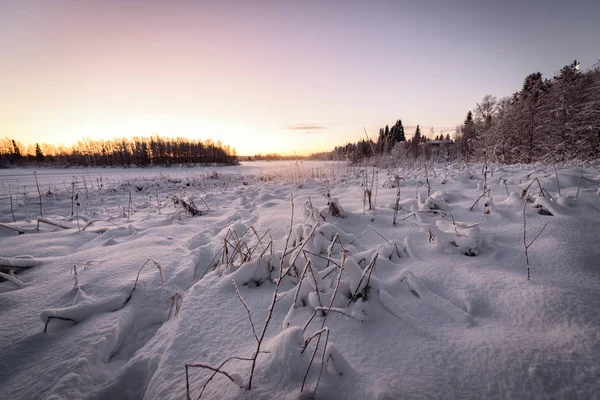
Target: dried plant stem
{"points": [[557, 181], [11, 209], [138, 277], [39, 194], [237, 290], [56, 317], [370, 269], [73, 197], [274, 298], [525, 244], [129, 206], [579, 180], [216, 370], [323, 329], [479, 198], [397, 203], [485, 171], [306, 343], [427, 179]]}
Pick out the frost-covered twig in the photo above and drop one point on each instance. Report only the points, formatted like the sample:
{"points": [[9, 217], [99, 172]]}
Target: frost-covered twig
{"points": [[39, 193], [397, 203], [56, 317], [216, 370], [579, 180], [336, 310], [138, 277], [379, 233], [176, 301], [274, 298], [306, 343], [13, 279], [479, 198], [370, 269], [335, 290], [11, 209], [321, 257], [237, 290], [525, 245], [557, 181], [323, 328], [427, 179], [98, 220]]}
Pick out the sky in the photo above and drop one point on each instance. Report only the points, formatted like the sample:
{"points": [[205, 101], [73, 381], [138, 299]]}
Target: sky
{"points": [[272, 76]]}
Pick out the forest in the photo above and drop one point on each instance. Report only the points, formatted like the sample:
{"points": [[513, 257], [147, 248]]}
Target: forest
{"points": [[547, 120], [137, 151]]}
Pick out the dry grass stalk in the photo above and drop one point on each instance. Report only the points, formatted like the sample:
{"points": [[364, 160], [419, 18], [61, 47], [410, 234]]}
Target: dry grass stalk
{"points": [[55, 317], [365, 292], [98, 220], [158, 266], [397, 203], [316, 334], [216, 370], [129, 206], [484, 171], [525, 245], [237, 291], [73, 183], [557, 181], [176, 301], [274, 298], [579, 180], [188, 207], [427, 179], [479, 198], [39, 194], [75, 277], [11, 209], [323, 329]]}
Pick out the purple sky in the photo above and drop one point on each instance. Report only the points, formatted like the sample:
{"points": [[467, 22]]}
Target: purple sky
{"points": [[272, 76]]}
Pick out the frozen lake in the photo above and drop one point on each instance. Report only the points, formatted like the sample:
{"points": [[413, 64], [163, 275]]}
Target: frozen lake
{"points": [[13, 177]]}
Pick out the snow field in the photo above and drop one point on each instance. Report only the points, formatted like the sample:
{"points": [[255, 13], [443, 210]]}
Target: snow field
{"points": [[436, 306]]}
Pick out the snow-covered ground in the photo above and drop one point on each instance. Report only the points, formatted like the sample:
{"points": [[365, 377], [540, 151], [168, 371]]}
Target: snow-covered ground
{"points": [[117, 287]]}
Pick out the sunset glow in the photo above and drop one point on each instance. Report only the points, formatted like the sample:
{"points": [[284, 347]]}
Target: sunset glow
{"points": [[287, 77]]}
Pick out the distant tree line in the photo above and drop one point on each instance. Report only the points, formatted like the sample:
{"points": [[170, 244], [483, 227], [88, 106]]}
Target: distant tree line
{"points": [[274, 157], [547, 120], [391, 142], [137, 151]]}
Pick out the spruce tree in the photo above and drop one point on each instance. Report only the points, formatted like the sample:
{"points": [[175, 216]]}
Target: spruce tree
{"points": [[416, 141], [39, 156], [398, 129], [16, 151]]}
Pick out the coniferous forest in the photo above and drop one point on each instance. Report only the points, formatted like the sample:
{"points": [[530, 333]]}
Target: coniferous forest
{"points": [[548, 120]]}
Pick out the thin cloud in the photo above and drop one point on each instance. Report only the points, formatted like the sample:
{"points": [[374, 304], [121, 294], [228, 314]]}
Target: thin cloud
{"points": [[305, 127]]}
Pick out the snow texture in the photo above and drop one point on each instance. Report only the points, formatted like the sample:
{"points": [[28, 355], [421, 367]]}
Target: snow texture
{"points": [[437, 306]]}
